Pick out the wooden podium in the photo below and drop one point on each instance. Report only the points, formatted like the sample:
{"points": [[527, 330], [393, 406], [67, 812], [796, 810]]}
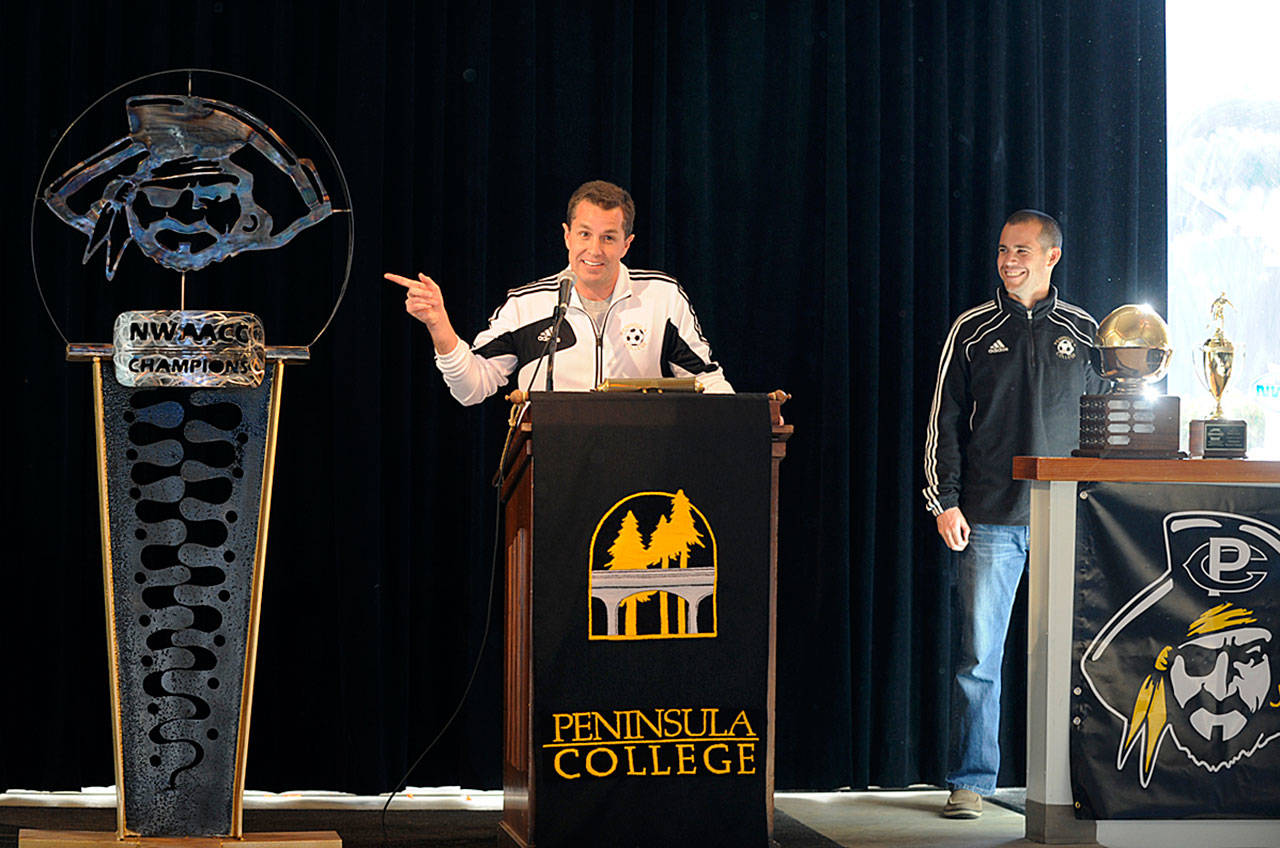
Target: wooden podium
{"points": [[1058, 702], [641, 712]]}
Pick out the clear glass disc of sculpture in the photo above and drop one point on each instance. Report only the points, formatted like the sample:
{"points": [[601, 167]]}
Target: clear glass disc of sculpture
{"points": [[192, 189]]}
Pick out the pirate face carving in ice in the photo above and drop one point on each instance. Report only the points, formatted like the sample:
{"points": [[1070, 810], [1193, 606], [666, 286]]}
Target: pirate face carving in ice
{"points": [[181, 186]]}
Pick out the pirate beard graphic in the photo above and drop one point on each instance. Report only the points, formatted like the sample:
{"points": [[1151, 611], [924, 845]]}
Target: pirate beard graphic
{"points": [[1188, 664], [1204, 692]]}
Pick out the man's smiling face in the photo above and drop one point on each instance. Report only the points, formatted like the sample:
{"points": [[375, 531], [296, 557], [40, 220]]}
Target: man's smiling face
{"points": [[596, 243], [1024, 262]]}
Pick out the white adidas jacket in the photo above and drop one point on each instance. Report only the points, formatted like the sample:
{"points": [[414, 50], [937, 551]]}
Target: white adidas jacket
{"points": [[649, 331]]}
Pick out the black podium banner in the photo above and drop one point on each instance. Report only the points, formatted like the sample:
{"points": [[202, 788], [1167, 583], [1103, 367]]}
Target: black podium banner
{"points": [[651, 637], [1176, 704]]}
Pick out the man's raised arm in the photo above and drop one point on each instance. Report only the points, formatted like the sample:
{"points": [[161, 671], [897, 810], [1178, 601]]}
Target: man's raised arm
{"points": [[424, 301]]}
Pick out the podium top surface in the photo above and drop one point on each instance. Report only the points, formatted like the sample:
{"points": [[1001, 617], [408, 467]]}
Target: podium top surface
{"points": [[781, 430], [1096, 470]]}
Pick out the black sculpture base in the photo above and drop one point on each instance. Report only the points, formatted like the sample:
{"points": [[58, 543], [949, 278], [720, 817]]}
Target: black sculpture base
{"points": [[184, 476]]}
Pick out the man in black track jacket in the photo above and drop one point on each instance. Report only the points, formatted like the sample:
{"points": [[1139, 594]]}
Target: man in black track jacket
{"points": [[1009, 383]]}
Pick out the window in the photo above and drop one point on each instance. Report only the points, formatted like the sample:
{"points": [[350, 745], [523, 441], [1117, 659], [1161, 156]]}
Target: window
{"points": [[1224, 204]]}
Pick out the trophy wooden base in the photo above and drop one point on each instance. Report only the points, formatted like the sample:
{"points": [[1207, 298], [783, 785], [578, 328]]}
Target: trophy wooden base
{"points": [[1128, 453], [97, 839], [1218, 438], [1118, 426]]}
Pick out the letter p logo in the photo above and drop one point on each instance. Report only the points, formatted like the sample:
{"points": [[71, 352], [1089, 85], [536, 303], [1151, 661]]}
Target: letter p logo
{"points": [[1227, 554], [1222, 553]]}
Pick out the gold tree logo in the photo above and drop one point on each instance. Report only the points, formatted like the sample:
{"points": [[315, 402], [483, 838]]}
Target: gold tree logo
{"points": [[662, 587]]}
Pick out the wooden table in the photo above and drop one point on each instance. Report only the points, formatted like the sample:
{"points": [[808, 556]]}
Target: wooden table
{"points": [[1051, 593]]}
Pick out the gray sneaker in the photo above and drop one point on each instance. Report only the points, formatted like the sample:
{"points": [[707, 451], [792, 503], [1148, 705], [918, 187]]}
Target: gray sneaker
{"points": [[962, 804]]}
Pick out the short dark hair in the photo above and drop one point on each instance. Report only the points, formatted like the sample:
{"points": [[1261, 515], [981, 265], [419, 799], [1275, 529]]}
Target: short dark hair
{"points": [[606, 195], [1050, 232]]}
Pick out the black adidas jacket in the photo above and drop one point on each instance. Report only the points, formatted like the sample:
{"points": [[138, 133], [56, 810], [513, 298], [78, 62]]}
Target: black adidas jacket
{"points": [[1009, 384]]}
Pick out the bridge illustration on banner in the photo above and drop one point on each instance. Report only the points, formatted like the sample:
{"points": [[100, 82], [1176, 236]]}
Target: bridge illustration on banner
{"points": [[653, 562], [692, 585]]}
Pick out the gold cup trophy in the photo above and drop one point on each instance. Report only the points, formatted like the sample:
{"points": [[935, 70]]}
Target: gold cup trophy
{"points": [[1132, 350], [1217, 436]]}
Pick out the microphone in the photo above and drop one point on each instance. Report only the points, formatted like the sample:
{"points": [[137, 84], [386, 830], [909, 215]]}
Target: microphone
{"points": [[567, 281]]}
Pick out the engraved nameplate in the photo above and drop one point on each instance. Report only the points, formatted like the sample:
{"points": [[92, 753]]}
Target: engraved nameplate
{"points": [[189, 348]]}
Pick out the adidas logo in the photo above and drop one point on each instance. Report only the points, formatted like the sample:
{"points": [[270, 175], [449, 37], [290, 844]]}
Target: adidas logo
{"points": [[997, 346]]}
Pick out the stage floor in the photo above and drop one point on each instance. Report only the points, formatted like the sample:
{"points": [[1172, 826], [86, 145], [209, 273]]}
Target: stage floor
{"points": [[455, 818]]}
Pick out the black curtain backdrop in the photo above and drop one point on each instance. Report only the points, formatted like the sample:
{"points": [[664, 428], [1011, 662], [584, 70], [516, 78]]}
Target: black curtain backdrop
{"points": [[828, 181]]}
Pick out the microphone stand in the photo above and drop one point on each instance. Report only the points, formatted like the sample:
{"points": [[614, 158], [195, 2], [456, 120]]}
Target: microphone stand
{"points": [[553, 342]]}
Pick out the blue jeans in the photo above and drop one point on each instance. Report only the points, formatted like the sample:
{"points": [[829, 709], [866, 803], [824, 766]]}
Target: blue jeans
{"points": [[989, 571]]}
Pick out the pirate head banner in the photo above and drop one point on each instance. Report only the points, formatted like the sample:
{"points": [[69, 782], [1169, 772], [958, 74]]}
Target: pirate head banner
{"points": [[1176, 706], [200, 216], [651, 616]]}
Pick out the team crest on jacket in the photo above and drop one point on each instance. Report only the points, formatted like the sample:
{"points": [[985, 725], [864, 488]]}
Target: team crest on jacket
{"points": [[634, 336], [1065, 347], [1206, 630]]}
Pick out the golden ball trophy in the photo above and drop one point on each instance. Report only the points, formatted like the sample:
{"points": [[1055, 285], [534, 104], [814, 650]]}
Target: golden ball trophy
{"points": [[1217, 436], [1131, 349]]}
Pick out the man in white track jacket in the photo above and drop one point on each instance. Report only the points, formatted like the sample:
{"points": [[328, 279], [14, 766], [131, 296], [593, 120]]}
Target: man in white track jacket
{"points": [[1009, 383], [620, 322]]}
